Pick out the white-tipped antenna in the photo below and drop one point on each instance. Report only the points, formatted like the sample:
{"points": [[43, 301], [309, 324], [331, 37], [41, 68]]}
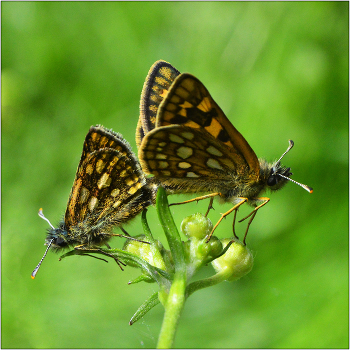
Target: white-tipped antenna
{"points": [[35, 271], [305, 187], [41, 214], [291, 144]]}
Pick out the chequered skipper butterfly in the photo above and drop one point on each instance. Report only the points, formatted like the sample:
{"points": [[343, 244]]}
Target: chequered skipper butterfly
{"points": [[192, 147], [109, 189]]}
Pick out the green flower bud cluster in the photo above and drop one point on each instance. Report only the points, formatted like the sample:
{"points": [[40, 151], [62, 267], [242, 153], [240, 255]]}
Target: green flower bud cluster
{"points": [[198, 251], [236, 261]]}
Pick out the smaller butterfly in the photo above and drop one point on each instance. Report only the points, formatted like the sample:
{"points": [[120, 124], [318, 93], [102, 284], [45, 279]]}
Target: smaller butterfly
{"points": [[192, 147], [109, 190]]}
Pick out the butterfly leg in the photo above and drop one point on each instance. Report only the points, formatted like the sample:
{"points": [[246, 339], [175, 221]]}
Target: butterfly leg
{"points": [[129, 237], [233, 224], [250, 221], [197, 198], [96, 257], [125, 233], [243, 200], [253, 213], [98, 250], [264, 200], [119, 262], [210, 206]]}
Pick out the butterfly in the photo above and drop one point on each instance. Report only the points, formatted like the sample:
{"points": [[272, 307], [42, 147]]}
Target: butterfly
{"points": [[192, 147], [109, 190]]}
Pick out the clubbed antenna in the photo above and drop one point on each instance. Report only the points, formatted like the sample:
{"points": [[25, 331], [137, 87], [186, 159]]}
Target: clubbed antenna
{"points": [[35, 271], [305, 187], [291, 144], [41, 214]]}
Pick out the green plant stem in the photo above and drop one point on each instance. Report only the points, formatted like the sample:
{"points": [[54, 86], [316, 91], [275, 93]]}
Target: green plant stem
{"points": [[173, 302], [207, 282], [173, 308]]}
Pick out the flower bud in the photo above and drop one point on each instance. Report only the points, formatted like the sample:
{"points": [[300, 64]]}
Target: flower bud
{"points": [[197, 226], [236, 262], [198, 251], [209, 249], [150, 253]]}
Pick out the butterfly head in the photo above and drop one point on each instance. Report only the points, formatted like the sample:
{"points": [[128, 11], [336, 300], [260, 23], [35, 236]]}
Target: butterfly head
{"points": [[56, 239], [280, 175]]}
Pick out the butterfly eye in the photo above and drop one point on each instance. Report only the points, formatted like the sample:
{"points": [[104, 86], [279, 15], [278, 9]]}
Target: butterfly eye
{"points": [[272, 180], [60, 242]]}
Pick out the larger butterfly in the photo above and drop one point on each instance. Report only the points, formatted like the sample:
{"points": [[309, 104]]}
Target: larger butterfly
{"points": [[109, 189], [192, 147]]}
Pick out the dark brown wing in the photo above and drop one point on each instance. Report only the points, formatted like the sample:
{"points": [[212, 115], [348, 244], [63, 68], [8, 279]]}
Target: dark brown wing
{"points": [[140, 134], [100, 137], [158, 81], [190, 155], [189, 103], [105, 183]]}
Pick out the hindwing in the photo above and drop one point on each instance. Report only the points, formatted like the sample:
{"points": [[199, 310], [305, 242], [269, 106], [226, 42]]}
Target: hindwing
{"points": [[156, 86]]}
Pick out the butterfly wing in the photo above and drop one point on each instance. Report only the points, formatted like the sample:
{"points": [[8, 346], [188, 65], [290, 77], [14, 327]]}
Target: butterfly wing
{"points": [[159, 79], [100, 137], [109, 187], [140, 134], [185, 158], [189, 103]]}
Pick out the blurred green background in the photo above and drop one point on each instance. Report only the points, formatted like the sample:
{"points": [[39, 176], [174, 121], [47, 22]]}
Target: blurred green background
{"points": [[278, 70]]}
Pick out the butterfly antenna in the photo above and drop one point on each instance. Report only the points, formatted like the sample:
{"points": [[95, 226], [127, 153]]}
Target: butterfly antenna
{"points": [[305, 187], [35, 271], [41, 214], [291, 144]]}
